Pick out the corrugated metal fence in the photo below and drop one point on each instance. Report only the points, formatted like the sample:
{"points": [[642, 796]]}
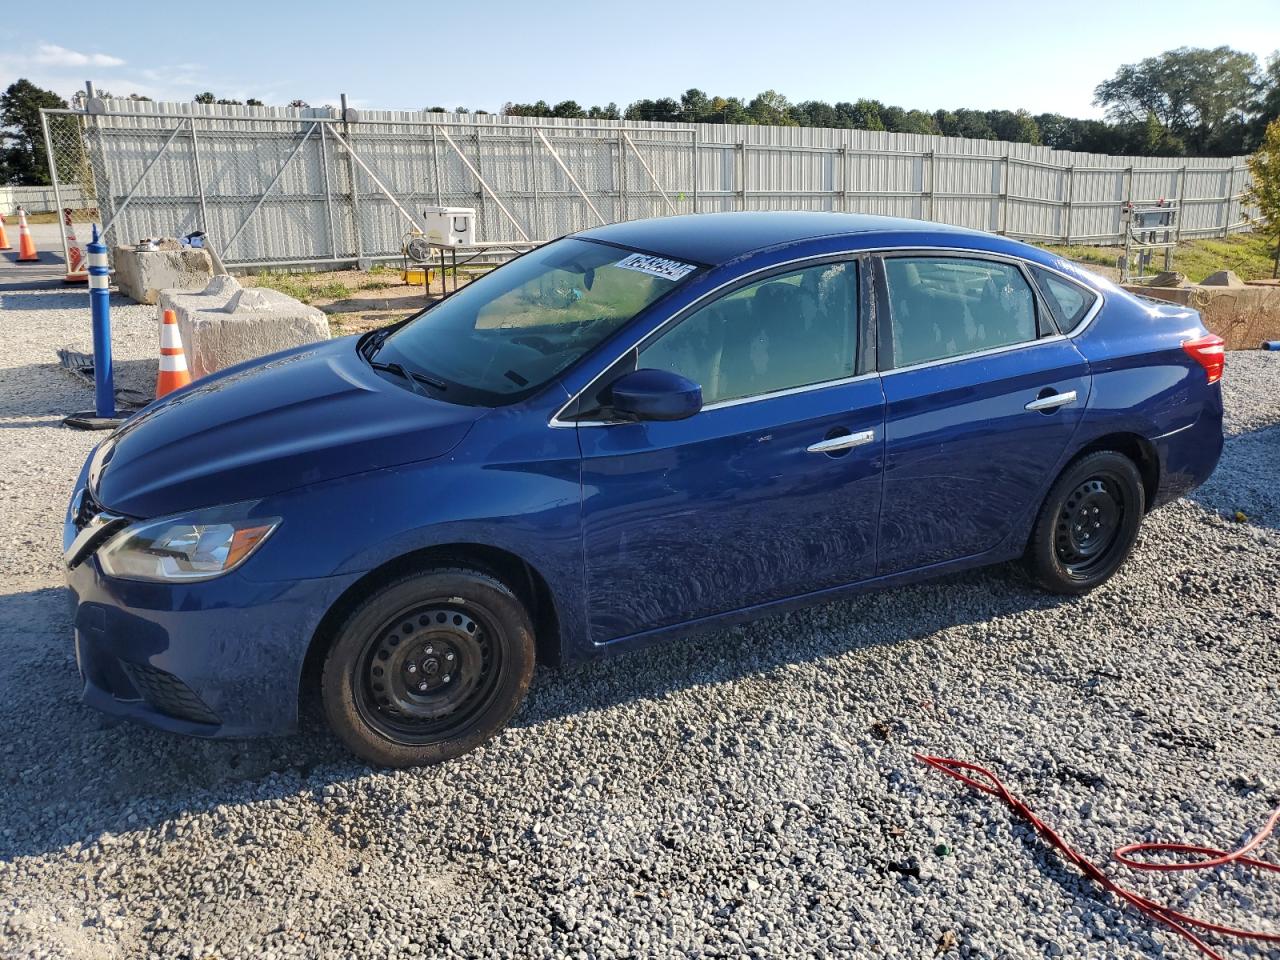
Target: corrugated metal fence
{"points": [[37, 199], [289, 186]]}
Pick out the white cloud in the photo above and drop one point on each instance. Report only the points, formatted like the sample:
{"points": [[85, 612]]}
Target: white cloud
{"points": [[52, 55]]}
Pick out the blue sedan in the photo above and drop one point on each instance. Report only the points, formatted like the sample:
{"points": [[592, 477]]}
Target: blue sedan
{"points": [[630, 434]]}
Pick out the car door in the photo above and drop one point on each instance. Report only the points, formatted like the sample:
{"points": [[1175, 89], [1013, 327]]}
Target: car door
{"points": [[772, 490], [982, 396]]}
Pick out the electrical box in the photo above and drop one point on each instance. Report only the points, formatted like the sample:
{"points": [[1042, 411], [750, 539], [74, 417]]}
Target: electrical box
{"points": [[450, 226]]}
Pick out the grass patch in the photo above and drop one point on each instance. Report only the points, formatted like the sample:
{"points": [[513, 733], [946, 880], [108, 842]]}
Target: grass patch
{"points": [[1103, 256], [287, 283], [1250, 255], [333, 290]]}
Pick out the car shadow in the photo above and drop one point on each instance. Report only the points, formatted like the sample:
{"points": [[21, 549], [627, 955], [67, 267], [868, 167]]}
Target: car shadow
{"points": [[1245, 480], [71, 775]]}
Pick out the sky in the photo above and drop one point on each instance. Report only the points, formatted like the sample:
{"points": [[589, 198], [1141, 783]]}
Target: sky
{"points": [[925, 54]]}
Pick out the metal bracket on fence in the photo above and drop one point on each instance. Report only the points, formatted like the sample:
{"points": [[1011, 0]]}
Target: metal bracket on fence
{"points": [[226, 247], [115, 214], [631, 143], [487, 189], [568, 173]]}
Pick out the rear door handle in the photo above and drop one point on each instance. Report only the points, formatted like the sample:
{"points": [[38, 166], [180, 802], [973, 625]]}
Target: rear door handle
{"points": [[1053, 401], [843, 442]]}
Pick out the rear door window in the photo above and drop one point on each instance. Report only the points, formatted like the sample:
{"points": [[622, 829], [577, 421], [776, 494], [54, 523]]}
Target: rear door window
{"points": [[942, 307]]}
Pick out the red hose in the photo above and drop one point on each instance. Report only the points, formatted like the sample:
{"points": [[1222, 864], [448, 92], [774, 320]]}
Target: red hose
{"points": [[1179, 923]]}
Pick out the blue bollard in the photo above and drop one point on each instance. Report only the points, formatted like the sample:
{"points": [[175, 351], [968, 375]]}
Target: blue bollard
{"points": [[100, 304], [1271, 344]]}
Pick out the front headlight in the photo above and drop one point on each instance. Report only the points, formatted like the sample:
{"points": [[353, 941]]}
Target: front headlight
{"points": [[184, 548]]}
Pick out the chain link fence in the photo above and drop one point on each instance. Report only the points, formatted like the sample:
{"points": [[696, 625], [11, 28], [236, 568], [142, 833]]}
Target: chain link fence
{"points": [[287, 187]]}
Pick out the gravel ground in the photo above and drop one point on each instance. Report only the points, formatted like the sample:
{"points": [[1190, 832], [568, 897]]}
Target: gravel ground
{"points": [[749, 792]]}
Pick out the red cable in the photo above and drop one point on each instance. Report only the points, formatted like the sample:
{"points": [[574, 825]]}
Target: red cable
{"points": [[1174, 920]]}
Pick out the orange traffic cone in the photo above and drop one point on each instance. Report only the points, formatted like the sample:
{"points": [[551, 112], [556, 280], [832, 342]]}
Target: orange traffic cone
{"points": [[4, 237], [173, 361], [77, 271], [26, 246]]}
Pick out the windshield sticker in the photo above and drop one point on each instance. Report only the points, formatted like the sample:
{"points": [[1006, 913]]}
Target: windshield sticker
{"points": [[656, 266]]}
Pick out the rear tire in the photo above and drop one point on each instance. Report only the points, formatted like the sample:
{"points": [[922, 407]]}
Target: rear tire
{"points": [[428, 668], [1088, 524]]}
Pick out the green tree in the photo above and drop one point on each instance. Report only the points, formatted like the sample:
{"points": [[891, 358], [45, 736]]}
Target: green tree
{"points": [[252, 102], [1204, 98], [1264, 191], [695, 106], [23, 159], [568, 110], [608, 112], [664, 110], [205, 97], [772, 108], [539, 109]]}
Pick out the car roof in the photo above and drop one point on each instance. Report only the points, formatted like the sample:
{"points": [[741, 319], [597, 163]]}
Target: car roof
{"points": [[716, 238]]}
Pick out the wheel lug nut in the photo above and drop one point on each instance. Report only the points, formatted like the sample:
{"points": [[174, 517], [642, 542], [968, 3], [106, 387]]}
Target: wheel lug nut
{"points": [[448, 656], [423, 686], [430, 650], [412, 668], [446, 677]]}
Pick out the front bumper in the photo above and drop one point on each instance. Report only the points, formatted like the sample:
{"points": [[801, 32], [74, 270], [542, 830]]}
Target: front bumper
{"points": [[218, 658]]}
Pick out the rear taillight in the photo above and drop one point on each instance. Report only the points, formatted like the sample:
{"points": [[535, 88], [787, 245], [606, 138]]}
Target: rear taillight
{"points": [[1210, 352]]}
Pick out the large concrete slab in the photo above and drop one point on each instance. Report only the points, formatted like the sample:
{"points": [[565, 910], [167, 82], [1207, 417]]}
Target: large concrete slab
{"points": [[225, 324]]}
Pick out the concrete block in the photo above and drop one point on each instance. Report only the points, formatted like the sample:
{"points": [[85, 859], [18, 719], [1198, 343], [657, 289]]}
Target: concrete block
{"points": [[142, 273], [226, 324], [1223, 278]]}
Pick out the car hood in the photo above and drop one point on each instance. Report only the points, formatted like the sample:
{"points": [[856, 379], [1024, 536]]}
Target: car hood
{"points": [[301, 417]]}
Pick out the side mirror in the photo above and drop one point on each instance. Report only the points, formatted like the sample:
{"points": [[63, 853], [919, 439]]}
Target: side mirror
{"points": [[655, 395]]}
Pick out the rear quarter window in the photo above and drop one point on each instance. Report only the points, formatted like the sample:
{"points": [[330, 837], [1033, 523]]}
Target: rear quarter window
{"points": [[1068, 301]]}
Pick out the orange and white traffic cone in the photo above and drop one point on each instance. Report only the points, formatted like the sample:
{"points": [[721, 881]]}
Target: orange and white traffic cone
{"points": [[77, 267], [4, 237], [173, 361], [26, 246]]}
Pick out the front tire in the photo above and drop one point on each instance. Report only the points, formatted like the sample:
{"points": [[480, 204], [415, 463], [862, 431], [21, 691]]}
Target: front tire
{"points": [[428, 667], [1088, 524]]}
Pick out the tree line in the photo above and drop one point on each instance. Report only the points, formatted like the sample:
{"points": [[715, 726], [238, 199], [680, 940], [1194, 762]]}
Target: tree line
{"points": [[1184, 102], [1188, 102]]}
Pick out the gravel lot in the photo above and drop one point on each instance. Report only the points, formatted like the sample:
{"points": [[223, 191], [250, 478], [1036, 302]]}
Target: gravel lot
{"points": [[749, 792]]}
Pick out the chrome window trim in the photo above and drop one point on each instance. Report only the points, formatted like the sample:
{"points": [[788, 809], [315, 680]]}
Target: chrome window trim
{"points": [[1023, 262]]}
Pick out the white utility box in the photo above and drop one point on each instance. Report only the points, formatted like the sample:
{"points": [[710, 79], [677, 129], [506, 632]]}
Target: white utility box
{"points": [[450, 226]]}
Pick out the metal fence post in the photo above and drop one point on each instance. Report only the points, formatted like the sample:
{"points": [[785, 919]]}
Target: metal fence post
{"points": [[1182, 189], [926, 185], [1070, 193], [1128, 196], [621, 144], [1226, 201], [435, 165], [1004, 194], [844, 179], [328, 193], [57, 192], [480, 204], [195, 161], [533, 185], [348, 141], [696, 158], [740, 171]]}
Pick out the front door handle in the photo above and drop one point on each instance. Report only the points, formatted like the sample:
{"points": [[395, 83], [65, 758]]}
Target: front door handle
{"points": [[846, 441], [1052, 401]]}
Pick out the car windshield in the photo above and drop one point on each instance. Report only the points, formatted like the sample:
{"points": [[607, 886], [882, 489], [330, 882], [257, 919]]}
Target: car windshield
{"points": [[503, 336]]}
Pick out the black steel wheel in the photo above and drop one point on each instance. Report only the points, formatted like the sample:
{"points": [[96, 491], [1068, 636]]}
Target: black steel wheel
{"points": [[428, 667], [1088, 524]]}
